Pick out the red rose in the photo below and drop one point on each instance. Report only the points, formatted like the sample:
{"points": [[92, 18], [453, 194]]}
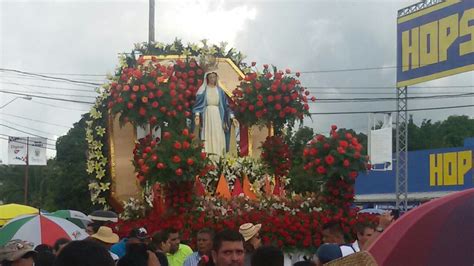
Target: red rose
{"points": [[160, 165], [142, 111], [353, 174], [329, 159], [135, 88], [176, 159], [126, 88], [203, 155], [177, 145], [333, 127], [154, 105], [260, 103], [166, 135], [163, 109], [321, 170], [159, 93], [265, 66], [185, 132], [341, 150], [179, 172], [343, 144], [254, 63], [190, 161], [298, 74], [133, 96], [142, 87], [270, 98], [277, 106], [346, 163], [154, 157], [186, 145], [129, 105], [313, 99], [251, 108], [313, 151], [153, 120]]}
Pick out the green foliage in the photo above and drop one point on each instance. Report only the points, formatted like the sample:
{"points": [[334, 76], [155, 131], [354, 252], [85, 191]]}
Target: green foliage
{"points": [[442, 134]]}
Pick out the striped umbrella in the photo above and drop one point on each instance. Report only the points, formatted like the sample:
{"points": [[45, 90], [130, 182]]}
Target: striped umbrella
{"points": [[40, 229], [76, 217]]}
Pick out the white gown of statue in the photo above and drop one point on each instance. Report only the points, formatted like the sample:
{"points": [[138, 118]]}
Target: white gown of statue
{"points": [[214, 137]]}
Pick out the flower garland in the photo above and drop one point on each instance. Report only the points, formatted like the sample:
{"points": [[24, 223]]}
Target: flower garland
{"points": [[97, 159], [192, 49], [271, 97]]}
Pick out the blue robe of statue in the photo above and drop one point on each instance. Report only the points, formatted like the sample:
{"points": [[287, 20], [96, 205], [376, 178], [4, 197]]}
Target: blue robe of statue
{"points": [[225, 112]]}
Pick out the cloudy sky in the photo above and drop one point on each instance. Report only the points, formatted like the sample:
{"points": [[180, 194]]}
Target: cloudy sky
{"points": [[83, 38]]}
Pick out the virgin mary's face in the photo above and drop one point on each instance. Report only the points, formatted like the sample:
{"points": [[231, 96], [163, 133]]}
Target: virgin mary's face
{"points": [[212, 79]]}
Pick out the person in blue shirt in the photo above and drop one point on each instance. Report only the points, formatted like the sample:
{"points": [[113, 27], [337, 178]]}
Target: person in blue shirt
{"points": [[204, 247], [137, 235]]}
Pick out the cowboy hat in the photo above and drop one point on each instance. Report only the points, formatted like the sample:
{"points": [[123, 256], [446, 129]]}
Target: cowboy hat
{"points": [[249, 230], [106, 235]]}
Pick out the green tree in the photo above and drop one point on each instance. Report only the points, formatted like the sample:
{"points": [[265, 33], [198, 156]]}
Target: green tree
{"points": [[68, 183], [61, 184]]}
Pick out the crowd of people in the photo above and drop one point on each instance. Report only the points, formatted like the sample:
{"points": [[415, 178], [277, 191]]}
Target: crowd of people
{"points": [[164, 248]]}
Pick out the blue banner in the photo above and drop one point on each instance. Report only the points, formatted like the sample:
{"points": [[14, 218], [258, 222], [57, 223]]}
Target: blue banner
{"points": [[435, 42]]}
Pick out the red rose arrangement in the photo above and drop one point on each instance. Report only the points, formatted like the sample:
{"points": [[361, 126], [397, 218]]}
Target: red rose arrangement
{"points": [[276, 156], [176, 157], [337, 160], [270, 97], [155, 94]]}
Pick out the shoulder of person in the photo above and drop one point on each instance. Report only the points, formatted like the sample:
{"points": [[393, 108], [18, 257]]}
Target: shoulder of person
{"points": [[185, 248]]}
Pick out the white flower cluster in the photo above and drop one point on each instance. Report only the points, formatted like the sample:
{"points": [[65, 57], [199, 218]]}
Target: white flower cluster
{"points": [[233, 168], [217, 206]]}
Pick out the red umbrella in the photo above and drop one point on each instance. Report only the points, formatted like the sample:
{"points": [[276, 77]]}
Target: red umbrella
{"points": [[439, 232]]}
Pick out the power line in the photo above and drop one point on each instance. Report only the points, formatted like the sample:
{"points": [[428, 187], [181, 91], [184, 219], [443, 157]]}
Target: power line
{"points": [[47, 87], [385, 87], [49, 77], [48, 80], [44, 97], [58, 94], [74, 74], [392, 99], [393, 111], [18, 125], [60, 107], [37, 121], [26, 132]]}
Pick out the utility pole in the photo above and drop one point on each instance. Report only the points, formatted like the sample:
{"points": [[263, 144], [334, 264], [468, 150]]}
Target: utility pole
{"points": [[26, 171], [151, 21]]}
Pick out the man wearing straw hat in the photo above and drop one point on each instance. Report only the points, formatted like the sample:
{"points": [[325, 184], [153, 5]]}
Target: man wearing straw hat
{"points": [[252, 238]]}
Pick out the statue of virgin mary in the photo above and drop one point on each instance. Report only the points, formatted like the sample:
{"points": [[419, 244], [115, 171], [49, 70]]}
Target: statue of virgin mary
{"points": [[213, 115]]}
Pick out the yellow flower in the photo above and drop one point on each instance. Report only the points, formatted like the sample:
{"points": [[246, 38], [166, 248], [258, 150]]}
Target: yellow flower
{"points": [[104, 186], [100, 131], [100, 174]]}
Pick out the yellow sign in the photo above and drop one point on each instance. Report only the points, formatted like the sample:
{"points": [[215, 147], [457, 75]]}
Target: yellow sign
{"points": [[448, 169]]}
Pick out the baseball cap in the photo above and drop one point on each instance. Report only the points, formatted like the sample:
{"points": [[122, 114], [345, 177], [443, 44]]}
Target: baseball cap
{"points": [[140, 233]]}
